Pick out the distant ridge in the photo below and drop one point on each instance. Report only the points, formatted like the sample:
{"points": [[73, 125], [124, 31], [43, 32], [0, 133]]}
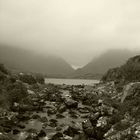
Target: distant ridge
{"points": [[111, 58], [19, 59]]}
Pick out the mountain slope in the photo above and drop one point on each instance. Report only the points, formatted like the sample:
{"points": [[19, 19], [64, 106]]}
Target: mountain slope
{"points": [[129, 72], [109, 59], [29, 61]]}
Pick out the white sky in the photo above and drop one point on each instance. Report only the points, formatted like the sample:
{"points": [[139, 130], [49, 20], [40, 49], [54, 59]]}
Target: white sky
{"points": [[76, 30]]}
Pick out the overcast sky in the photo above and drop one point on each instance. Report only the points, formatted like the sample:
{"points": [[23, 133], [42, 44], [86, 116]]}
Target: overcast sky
{"points": [[77, 30]]}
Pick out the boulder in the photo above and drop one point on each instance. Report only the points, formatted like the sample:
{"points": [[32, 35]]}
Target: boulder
{"points": [[59, 116], [32, 134], [83, 110], [57, 136], [71, 104], [35, 116], [16, 131], [94, 117], [52, 123], [102, 122], [62, 108], [71, 131], [42, 133], [43, 119], [131, 90], [51, 111], [89, 130]]}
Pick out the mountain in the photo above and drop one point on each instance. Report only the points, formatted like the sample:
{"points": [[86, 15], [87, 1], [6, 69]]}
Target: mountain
{"points": [[97, 67], [128, 72], [19, 59]]}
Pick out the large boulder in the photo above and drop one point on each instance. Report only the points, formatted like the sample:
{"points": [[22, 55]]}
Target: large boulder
{"points": [[71, 131], [71, 104], [57, 136], [89, 130], [131, 90]]}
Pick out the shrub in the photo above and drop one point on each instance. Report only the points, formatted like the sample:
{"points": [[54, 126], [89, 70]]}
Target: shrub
{"points": [[27, 78], [3, 69], [4, 102], [2, 76], [17, 92], [40, 79]]}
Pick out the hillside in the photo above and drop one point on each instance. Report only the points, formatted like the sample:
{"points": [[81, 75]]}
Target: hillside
{"points": [[129, 72], [24, 60], [100, 65]]}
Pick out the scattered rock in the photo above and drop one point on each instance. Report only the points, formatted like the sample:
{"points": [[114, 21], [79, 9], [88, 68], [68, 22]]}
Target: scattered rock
{"points": [[16, 131], [60, 116], [42, 133], [43, 119], [62, 109], [71, 131], [89, 130], [57, 136], [71, 104]]}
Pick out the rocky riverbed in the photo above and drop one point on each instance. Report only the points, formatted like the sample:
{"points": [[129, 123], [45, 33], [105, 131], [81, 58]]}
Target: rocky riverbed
{"points": [[60, 112], [33, 110]]}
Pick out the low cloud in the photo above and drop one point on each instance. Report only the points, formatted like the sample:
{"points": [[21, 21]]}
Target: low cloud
{"points": [[77, 30]]}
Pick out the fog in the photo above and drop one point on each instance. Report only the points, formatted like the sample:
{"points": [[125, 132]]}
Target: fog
{"points": [[77, 30]]}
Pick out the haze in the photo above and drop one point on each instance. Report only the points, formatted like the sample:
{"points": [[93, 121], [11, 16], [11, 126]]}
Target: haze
{"points": [[77, 30]]}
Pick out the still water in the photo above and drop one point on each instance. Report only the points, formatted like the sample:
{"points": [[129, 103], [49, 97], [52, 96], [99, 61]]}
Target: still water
{"points": [[71, 81]]}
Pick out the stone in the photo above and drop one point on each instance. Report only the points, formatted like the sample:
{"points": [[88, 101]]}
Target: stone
{"points": [[23, 117], [94, 117], [73, 114], [71, 104], [83, 110], [53, 123], [57, 136], [102, 122], [30, 137], [60, 116], [32, 134], [51, 111], [71, 131], [7, 130], [62, 109], [88, 128], [42, 133], [35, 116], [58, 128], [21, 126], [131, 90], [16, 131], [43, 119]]}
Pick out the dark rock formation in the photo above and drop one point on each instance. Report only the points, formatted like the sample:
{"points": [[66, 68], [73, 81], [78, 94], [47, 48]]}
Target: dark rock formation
{"points": [[129, 72]]}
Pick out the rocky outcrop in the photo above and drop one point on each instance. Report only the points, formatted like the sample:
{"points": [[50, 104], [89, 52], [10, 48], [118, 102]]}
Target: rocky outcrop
{"points": [[129, 72], [131, 90]]}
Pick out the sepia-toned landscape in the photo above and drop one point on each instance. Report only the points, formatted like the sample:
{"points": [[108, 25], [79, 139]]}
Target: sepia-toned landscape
{"points": [[69, 70]]}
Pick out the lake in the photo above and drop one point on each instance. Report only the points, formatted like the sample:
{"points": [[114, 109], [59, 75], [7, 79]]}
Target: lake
{"points": [[71, 81]]}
